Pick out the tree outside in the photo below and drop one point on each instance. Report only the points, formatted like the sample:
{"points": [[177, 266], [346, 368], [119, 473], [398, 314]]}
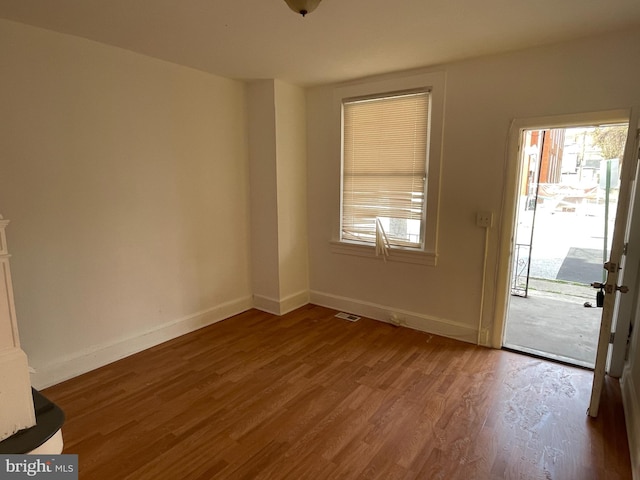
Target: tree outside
{"points": [[610, 140]]}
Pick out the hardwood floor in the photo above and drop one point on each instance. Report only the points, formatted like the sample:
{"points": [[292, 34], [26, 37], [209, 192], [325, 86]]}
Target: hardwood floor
{"points": [[310, 396]]}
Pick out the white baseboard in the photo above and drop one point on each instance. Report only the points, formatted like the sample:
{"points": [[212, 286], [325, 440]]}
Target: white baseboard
{"points": [[281, 307], [417, 321], [266, 304], [631, 404], [100, 355]]}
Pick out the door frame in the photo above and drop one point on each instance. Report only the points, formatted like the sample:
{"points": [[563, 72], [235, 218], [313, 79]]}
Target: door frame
{"points": [[508, 211]]}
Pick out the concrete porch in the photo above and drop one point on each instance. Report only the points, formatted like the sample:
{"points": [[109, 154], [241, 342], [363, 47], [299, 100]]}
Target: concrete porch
{"points": [[553, 322]]}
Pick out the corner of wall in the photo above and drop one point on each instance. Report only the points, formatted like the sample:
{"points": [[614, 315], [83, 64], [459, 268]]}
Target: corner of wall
{"points": [[283, 306]]}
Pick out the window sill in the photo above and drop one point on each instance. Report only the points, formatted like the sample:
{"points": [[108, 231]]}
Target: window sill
{"points": [[403, 255]]}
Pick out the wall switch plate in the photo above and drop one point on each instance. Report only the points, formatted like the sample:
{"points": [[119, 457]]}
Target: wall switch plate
{"points": [[484, 219]]}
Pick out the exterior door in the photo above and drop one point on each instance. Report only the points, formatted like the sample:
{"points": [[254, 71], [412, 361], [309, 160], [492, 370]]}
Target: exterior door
{"points": [[612, 287], [626, 304]]}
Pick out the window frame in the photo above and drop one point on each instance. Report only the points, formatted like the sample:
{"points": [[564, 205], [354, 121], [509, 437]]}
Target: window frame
{"points": [[434, 83]]}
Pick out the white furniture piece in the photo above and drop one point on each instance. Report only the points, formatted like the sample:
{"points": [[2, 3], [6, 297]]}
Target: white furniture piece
{"points": [[16, 401], [8, 324]]}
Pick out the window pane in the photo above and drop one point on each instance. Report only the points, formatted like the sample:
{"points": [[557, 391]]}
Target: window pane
{"points": [[384, 167]]}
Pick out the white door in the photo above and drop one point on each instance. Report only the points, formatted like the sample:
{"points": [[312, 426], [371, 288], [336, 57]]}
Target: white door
{"points": [[628, 276], [612, 287]]}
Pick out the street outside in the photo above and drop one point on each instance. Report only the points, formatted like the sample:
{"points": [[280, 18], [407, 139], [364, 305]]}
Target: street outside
{"points": [[568, 246]]}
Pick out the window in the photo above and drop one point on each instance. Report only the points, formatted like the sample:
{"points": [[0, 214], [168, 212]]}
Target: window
{"points": [[390, 146], [384, 169]]}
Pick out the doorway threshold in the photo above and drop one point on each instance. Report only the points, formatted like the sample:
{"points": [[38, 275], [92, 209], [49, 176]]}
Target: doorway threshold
{"points": [[530, 352]]}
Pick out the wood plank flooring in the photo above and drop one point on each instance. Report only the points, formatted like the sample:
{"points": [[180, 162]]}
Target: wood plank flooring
{"points": [[310, 396]]}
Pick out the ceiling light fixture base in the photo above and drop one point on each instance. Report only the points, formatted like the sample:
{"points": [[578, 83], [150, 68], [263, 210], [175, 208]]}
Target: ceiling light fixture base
{"points": [[303, 7]]}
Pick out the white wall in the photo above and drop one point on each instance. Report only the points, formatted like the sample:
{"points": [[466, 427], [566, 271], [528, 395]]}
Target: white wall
{"points": [[126, 182], [292, 193], [264, 191], [482, 97], [277, 151]]}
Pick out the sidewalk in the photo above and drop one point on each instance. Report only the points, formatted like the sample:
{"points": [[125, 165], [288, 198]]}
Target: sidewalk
{"points": [[562, 290]]}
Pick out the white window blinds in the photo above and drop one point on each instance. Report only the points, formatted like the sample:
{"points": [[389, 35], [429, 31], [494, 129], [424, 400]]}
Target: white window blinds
{"points": [[385, 167]]}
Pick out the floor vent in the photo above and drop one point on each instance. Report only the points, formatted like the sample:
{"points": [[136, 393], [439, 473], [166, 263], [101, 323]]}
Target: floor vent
{"points": [[348, 316]]}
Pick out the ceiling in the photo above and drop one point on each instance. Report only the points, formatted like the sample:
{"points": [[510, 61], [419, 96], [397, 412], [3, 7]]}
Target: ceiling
{"points": [[341, 40]]}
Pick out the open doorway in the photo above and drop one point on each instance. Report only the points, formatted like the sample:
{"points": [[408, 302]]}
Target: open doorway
{"points": [[567, 197]]}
